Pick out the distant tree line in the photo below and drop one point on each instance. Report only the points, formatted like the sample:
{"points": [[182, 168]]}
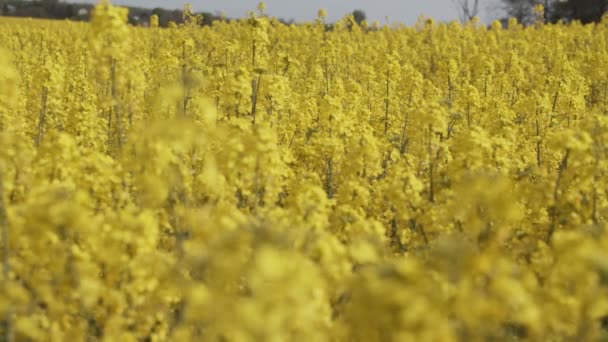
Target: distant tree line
{"points": [[42, 9], [555, 10], [586, 11], [55, 9]]}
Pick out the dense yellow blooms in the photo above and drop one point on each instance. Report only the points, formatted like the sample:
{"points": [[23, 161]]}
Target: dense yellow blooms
{"points": [[253, 181]]}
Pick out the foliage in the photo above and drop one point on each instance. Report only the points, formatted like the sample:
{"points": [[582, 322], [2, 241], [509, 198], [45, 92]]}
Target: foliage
{"points": [[585, 11], [74, 11]]}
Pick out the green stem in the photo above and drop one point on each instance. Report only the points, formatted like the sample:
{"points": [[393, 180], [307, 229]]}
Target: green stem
{"points": [[562, 168], [387, 101], [116, 107], [42, 117], [329, 179], [255, 87], [431, 166], [538, 144], [6, 267]]}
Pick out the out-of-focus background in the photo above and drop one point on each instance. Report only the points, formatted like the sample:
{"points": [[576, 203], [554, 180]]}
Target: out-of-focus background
{"points": [[292, 11]]}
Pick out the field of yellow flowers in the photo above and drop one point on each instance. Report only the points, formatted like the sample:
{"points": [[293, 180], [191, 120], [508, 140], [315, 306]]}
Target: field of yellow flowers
{"points": [[253, 181]]}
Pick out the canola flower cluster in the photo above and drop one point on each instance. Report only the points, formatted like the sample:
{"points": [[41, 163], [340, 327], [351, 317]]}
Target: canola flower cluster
{"points": [[253, 181]]}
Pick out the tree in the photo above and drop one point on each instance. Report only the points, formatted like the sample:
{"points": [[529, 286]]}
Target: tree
{"points": [[520, 9], [584, 10], [467, 9], [166, 16], [359, 16]]}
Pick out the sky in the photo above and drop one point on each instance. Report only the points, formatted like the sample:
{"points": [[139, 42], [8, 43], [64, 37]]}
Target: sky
{"points": [[405, 11]]}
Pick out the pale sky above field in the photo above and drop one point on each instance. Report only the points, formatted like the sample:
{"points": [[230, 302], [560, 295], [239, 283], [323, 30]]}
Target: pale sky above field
{"points": [[406, 11]]}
